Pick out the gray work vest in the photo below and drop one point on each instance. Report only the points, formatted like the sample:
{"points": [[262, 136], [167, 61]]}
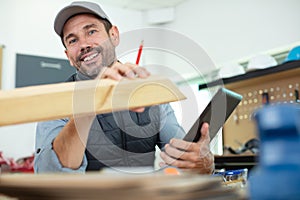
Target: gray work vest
{"points": [[123, 139]]}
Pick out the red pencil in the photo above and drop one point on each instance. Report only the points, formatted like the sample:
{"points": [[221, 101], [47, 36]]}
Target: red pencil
{"points": [[139, 52]]}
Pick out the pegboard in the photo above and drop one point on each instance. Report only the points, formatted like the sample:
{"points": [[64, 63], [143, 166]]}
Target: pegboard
{"points": [[282, 87]]}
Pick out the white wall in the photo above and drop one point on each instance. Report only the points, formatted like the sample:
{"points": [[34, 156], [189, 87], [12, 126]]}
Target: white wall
{"points": [[233, 29], [228, 30]]}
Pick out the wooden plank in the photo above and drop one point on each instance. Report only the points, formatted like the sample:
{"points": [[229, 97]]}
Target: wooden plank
{"points": [[54, 101], [114, 186]]}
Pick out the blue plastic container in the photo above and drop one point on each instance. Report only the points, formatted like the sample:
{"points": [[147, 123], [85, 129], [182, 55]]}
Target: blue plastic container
{"points": [[278, 174], [293, 54]]}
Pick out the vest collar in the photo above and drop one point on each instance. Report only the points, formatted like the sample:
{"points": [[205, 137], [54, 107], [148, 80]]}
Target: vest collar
{"points": [[81, 77]]}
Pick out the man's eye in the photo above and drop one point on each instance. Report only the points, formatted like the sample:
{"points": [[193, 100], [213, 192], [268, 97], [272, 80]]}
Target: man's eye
{"points": [[72, 41], [92, 32]]}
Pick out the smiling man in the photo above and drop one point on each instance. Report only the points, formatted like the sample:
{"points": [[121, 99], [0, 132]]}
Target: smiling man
{"points": [[118, 139], [89, 60]]}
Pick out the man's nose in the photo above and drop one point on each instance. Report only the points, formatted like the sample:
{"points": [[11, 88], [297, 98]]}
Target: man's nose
{"points": [[84, 44]]}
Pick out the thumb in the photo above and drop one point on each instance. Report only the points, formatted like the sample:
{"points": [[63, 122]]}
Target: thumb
{"points": [[205, 138]]}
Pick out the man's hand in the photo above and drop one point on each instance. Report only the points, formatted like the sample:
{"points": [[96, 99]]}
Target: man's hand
{"points": [[190, 156], [128, 70]]}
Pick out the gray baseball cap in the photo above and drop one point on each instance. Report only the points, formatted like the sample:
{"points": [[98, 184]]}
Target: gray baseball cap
{"points": [[75, 8]]}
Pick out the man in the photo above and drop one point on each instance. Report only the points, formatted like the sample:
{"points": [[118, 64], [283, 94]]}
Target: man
{"points": [[126, 138]]}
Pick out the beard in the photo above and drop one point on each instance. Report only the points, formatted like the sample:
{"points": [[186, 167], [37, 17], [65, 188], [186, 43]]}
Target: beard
{"points": [[105, 57]]}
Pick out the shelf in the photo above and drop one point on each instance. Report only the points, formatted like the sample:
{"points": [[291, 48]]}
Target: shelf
{"points": [[254, 74], [279, 83], [230, 162]]}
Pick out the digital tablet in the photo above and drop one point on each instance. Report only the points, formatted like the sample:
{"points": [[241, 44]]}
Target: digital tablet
{"points": [[215, 114]]}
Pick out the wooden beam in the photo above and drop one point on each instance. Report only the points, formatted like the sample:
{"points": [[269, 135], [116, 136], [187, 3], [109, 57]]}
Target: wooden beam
{"points": [[125, 186], [61, 100]]}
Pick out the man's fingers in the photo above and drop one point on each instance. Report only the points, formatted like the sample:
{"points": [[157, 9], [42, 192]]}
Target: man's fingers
{"points": [[162, 164], [138, 110], [118, 71], [130, 70], [179, 154], [173, 152], [141, 72], [190, 155], [205, 138], [183, 145], [174, 162], [109, 73]]}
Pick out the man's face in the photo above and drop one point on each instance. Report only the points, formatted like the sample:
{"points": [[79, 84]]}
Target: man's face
{"points": [[88, 46]]}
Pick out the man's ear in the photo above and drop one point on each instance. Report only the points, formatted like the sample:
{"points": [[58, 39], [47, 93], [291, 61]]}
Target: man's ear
{"points": [[114, 35]]}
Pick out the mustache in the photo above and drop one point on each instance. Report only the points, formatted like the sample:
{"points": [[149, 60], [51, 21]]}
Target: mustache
{"points": [[97, 49]]}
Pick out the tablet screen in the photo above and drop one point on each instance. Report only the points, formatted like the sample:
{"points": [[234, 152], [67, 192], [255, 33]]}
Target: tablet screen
{"points": [[216, 113]]}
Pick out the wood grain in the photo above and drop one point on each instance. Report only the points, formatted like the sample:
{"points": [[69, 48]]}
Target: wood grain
{"points": [[114, 186], [61, 100]]}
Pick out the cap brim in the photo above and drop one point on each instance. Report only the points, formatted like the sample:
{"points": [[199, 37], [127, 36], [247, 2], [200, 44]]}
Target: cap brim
{"points": [[65, 14]]}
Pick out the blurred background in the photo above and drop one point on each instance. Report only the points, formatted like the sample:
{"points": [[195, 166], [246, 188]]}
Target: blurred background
{"points": [[231, 32]]}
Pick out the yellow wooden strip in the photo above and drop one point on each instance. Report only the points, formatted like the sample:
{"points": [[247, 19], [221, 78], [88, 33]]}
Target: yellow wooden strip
{"points": [[113, 186], [53, 101]]}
